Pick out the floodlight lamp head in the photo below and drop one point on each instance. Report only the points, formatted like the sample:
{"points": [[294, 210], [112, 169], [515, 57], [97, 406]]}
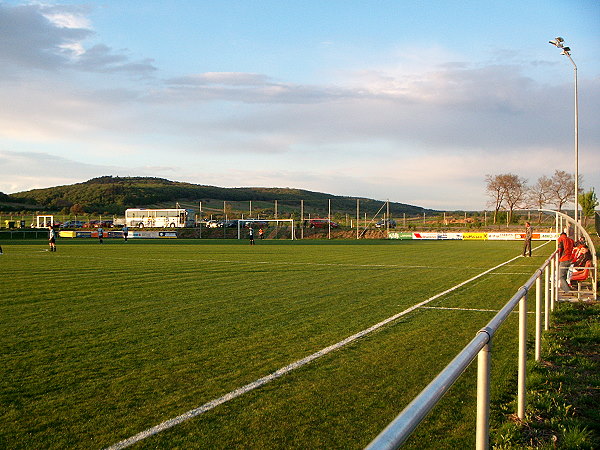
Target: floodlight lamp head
{"points": [[555, 43], [559, 39]]}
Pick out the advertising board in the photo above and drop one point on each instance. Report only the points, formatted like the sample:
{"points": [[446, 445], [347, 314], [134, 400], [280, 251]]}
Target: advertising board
{"points": [[450, 236], [152, 234], [399, 235], [502, 236], [425, 235], [474, 236]]}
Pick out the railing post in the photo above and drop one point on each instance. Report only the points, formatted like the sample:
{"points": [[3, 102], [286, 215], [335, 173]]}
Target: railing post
{"points": [[538, 317], [522, 381], [552, 284], [546, 298], [483, 397], [556, 281]]}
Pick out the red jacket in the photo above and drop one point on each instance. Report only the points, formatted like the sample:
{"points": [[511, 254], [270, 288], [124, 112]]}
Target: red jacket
{"points": [[565, 248]]}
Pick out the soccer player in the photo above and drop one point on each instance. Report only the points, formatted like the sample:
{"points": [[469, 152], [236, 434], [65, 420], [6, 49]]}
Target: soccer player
{"points": [[251, 235], [52, 238], [528, 234]]}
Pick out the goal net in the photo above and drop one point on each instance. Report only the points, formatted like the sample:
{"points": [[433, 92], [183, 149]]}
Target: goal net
{"points": [[266, 229]]}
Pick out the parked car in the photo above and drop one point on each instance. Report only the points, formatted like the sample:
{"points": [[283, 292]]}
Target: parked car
{"points": [[227, 224], [72, 224], [321, 223], [254, 224], [384, 223], [98, 224]]}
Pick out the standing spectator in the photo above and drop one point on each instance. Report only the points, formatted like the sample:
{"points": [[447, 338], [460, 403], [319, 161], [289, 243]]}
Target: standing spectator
{"points": [[52, 238], [125, 232], [100, 234], [528, 234], [251, 235], [565, 250], [261, 233]]}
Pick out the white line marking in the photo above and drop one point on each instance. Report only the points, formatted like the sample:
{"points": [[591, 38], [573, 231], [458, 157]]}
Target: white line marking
{"points": [[278, 373]]}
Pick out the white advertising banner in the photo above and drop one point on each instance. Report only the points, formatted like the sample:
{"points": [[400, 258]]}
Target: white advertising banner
{"points": [[450, 236], [425, 235], [503, 236], [152, 234]]}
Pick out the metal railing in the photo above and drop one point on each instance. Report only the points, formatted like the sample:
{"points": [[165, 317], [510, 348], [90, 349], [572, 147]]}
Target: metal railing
{"points": [[398, 431]]}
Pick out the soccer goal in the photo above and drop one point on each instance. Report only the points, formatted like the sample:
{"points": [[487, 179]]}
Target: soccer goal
{"points": [[271, 228], [44, 221]]}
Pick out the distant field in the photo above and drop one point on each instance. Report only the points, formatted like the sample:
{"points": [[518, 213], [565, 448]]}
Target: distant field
{"points": [[100, 342]]}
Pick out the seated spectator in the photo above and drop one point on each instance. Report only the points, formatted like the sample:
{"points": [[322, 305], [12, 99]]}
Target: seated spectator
{"points": [[578, 268], [579, 245], [584, 256]]}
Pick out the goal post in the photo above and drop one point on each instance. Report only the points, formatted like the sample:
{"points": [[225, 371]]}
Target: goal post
{"points": [[44, 221], [255, 224]]}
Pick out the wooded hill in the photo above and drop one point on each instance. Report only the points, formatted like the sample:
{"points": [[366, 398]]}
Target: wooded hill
{"points": [[115, 194]]}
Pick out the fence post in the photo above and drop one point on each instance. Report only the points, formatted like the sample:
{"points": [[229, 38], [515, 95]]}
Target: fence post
{"points": [[483, 397], [546, 298], [522, 376], [552, 284], [556, 281], [538, 317]]}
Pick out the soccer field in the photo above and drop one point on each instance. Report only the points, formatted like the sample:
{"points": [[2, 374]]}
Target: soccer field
{"points": [[102, 342]]}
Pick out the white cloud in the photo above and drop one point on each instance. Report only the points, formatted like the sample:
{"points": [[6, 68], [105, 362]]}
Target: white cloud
{"points": [[67, 16], [423, 131], [53, 38], [28, 170], [20, 171], [222, 78]]}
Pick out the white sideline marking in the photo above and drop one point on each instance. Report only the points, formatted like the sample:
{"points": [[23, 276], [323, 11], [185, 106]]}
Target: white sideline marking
{"points": [[470, 309], [278, 373]]}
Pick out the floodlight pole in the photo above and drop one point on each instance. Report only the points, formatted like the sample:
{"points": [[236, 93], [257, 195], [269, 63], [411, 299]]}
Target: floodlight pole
{"points": [[568, 55], [558, 42], [302, 219], [329, 218]]}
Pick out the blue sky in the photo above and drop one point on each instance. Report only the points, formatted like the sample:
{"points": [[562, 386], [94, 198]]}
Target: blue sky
{"points": [[411, 101]]}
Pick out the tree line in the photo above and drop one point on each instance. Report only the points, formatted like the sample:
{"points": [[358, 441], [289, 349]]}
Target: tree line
{"points": [[511, 192], [112, 195]]}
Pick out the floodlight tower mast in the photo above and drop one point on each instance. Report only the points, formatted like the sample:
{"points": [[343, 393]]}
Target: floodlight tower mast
{"points": [[558, 43]]}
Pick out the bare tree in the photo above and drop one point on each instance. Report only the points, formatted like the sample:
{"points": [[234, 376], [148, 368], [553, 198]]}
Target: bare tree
{"points": [[515, 189], [539, 194], [495, 190], [563, 188]]}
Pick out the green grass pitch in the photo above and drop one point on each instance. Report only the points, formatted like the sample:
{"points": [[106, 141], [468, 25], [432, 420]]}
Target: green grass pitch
{"points": [[101, 342]]}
